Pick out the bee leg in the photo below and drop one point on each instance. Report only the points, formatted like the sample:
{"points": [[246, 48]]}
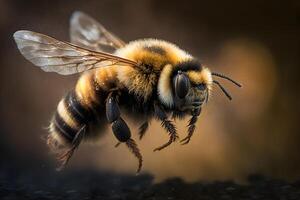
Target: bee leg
{"points": [[122, 133], [120, 128], [65, 157], [131, 144], [167, 124], [191, 127], [143, 128]]}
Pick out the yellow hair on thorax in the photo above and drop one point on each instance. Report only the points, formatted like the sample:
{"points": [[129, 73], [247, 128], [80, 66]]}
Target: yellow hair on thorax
{"points": [[137, 82], [142, 81], [137, 51]]}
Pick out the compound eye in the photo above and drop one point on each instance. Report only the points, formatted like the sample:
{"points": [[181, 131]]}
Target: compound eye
{"points": [[181, 85]]}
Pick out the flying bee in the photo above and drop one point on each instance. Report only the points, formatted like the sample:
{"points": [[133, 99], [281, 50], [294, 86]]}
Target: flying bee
{"points": [[143, 79]]}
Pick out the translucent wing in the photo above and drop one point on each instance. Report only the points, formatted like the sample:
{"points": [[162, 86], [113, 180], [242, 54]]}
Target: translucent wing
{"points": [[52, 55], [88, 33]]}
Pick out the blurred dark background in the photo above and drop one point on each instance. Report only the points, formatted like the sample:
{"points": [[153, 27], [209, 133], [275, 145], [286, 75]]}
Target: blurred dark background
{"points": [[255, 42]]}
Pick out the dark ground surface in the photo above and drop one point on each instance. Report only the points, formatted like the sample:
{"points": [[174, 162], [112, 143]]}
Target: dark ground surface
{"points": [[87, 184]]}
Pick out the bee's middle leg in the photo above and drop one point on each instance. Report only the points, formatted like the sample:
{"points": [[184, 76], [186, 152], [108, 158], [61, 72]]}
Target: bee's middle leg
{"points": [[167, 124], [120, 127]]}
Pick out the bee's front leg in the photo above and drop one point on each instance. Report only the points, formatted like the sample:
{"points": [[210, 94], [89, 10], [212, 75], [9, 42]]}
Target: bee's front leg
{"points": [[167, 124], [120, 128], [191, 126]]}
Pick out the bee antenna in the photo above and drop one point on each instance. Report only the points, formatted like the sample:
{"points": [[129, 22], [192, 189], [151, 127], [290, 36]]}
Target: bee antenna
{"points": [[227, 78], [223, 89]]}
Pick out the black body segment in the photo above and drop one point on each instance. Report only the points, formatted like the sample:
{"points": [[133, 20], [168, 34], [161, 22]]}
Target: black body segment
{"points": [[76, 109], [63, 128]]}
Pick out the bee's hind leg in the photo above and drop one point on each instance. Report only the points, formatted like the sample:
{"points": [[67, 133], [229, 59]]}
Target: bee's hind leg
{"points": [[120, 128], [65, 156], [167, 124]]}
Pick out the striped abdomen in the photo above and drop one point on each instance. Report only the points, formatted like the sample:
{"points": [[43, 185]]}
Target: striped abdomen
{"points": [[81, 106]]}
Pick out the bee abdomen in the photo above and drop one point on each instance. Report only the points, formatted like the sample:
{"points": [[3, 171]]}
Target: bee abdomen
{"points": [[69, 118], [82, 106]]}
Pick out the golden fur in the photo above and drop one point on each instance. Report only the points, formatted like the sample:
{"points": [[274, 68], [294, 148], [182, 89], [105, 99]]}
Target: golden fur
{"points": [[85, 90], [137, 82]]}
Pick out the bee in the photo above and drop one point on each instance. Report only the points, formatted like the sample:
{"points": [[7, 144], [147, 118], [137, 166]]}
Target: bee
{"points": [[142, 79]]}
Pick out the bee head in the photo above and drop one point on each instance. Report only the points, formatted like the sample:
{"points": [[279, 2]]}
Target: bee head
{"points": [[191, 85], [184, 86], [187, 85], [188, 95]]}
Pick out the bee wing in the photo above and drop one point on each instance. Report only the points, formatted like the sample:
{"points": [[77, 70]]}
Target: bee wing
{"points": [[52, 55], [88, 33]]}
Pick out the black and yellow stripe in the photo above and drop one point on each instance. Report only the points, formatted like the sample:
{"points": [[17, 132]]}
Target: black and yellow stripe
{"points": [[82, 105], [68, 119]]}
